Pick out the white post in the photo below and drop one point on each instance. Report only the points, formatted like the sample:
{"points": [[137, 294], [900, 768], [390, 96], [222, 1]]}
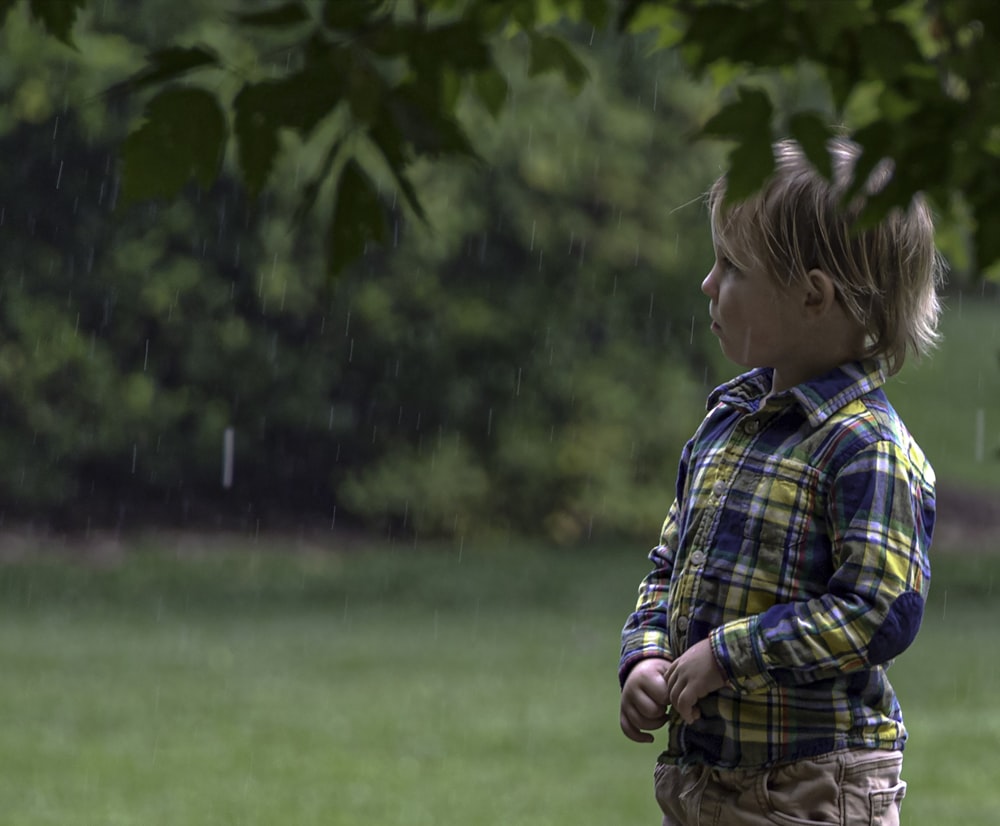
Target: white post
{"points": [[228, 449]]}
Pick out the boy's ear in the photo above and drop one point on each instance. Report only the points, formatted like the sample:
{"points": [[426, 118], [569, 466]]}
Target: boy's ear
{"points": [[820, 292]]}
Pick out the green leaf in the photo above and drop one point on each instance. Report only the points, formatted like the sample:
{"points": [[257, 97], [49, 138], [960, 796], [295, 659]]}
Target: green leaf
{"points": [[986, 240], [764, 35], [492, 89], [812, 133], [289, 14], [750, 112], [310, 192], [429, 128], [888, 50], [550, 53], [183, 138], [299, 101], [750, 165], [169, 64], [58, 16], [256, 126], [392, 145], [666, 22], [462, 45], [875, 141], [5, 7], [349, 15], [596, 13], [358, 218]]}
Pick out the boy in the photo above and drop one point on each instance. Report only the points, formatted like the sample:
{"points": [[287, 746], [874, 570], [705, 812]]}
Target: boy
{"points": [[792, 566]]}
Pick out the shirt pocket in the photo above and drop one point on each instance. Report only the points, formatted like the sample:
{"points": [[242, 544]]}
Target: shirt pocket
{"points": [[780, 503]]}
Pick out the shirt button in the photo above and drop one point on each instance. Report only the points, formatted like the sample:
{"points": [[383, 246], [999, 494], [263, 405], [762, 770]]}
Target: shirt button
{"points": [[719, 488], [698, 558], [682, 624], [751, 426]]}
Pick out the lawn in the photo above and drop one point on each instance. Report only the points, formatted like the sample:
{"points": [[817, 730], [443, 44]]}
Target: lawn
{"points": [[392, 685], [261, 682], [951, 400]]}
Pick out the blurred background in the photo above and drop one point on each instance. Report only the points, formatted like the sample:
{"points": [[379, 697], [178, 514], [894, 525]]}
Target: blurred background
{"points": [[285, 547]]}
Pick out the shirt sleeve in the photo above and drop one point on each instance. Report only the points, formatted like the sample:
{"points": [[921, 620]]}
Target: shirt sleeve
{"points": [[645, 633], [881, 516]]}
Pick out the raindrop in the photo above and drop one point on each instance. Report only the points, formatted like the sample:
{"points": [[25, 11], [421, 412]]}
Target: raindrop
{"points": [[980, 449]]}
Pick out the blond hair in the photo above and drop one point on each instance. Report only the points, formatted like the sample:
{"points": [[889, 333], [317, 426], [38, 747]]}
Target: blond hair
{"points": [[886, 274]]}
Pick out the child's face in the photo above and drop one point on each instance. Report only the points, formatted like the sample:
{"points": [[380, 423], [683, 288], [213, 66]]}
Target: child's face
{"points": [[757, 321]]}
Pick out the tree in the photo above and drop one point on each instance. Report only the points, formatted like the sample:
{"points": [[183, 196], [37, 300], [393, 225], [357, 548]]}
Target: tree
{"points": [[531, 363], [375, 83]]}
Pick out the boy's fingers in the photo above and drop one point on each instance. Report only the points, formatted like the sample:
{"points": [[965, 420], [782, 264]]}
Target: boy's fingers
{"points": [[632, 732]]}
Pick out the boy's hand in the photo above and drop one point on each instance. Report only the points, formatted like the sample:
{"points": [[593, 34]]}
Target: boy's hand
{"points": [[693, 675], [644, 700]]}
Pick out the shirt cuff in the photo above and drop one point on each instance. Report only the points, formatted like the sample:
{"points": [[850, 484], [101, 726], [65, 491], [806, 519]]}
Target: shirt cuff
{"points": [[737, 650], [629, 660]]}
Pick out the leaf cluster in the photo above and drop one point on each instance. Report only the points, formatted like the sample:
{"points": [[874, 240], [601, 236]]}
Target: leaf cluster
{"points": [[384, 78], [910, 80]]}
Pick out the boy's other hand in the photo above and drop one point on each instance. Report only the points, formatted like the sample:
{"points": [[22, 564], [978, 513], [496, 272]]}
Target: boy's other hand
{"points": [[644, 700], [693, 675]]}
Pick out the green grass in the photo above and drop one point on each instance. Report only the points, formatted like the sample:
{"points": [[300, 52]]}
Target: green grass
{"points": [[943, 399], [392, 686]]}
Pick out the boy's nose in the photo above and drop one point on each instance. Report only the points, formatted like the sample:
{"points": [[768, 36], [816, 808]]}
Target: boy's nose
{"points": [[708, 286]]}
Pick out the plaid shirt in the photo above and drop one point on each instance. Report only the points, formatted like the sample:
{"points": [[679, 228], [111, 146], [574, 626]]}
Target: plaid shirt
{"points": [[798, 544]]}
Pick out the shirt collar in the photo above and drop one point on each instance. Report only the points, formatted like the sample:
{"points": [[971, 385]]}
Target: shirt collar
{"points": [[819, 397]]}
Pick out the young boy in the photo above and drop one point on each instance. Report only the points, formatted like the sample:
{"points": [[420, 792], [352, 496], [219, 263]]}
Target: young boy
{"points": [[792, 566]]}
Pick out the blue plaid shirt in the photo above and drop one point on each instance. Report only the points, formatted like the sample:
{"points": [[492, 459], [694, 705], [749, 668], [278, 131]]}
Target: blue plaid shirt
{"points": [[797, 544]]}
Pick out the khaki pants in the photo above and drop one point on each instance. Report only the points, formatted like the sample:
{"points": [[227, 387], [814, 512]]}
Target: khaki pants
{"points": [[843, 788]]}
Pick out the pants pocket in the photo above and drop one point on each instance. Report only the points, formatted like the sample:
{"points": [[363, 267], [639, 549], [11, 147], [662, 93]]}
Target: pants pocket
{"points": [[873, 790], [884, 805]]}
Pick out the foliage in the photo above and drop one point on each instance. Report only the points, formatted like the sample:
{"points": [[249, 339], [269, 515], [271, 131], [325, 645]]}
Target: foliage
{"points": [[908, 79], [913, 80], [539, 337], [524, 365], [384, 77]]}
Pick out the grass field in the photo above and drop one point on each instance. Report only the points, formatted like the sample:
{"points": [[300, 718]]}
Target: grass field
{"points": [[392, 686], [951, 401], [259, 683]]}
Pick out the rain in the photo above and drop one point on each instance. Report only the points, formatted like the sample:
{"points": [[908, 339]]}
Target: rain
{"points": [[324, 499]]}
